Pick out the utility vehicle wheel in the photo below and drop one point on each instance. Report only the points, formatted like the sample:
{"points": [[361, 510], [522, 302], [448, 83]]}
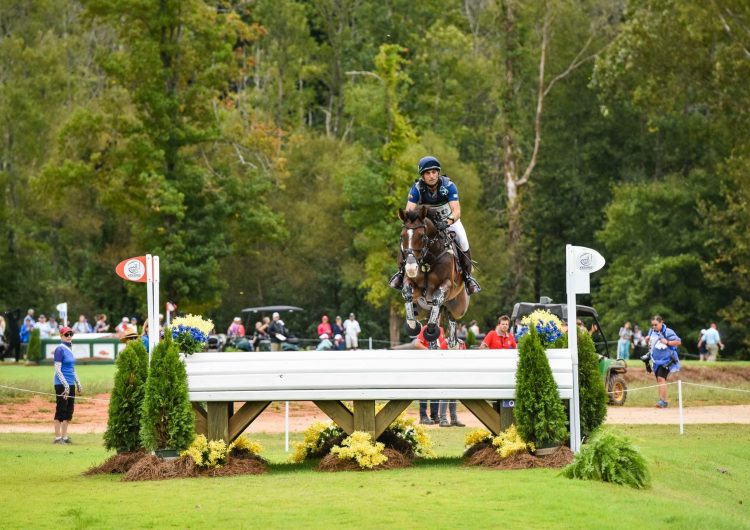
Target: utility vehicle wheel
{"points": [[618, 390]]}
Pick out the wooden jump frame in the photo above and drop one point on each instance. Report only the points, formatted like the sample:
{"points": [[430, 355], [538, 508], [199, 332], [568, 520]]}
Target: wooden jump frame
{"points": [[330, 378]]}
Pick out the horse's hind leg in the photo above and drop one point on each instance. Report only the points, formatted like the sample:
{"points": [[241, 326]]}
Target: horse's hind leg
{"points": [[452, 338]]}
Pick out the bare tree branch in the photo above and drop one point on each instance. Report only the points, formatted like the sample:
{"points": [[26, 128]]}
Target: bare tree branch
{"points": [[365, 73], [575, 63]]}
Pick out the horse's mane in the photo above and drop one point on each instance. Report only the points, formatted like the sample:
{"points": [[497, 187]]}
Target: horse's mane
{"points": [[412, 216]]}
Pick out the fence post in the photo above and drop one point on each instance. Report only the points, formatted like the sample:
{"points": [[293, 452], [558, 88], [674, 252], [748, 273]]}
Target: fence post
{"points": [[370, 341], [286, 426], [679, 399]]}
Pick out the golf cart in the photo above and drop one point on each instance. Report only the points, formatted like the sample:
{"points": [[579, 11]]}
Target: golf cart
{"points": [[611, 369], [253, 314]]}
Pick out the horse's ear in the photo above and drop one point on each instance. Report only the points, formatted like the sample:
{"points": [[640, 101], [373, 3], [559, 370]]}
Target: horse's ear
{"points": [[422, 212], [401, 215]]}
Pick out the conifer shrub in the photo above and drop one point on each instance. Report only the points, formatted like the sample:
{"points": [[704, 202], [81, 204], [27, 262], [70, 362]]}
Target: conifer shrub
{"points": [[608, 457], [167, 420], [539, 412], [126, 401], [34, 350], [591, 391]]}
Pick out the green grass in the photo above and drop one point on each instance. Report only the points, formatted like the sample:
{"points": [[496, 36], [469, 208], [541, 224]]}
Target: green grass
{"points": [[95, 378], [699, 481], [734, 375]]}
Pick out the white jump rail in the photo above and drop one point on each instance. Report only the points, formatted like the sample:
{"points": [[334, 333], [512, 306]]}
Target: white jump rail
{"points": [[329, 377]]}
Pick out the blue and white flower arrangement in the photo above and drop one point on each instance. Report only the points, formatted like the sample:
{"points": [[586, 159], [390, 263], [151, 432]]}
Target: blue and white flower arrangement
{"points": [[549, 327], [191, 333]]}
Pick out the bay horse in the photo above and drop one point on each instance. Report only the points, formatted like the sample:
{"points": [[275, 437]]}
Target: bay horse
{"points": [[432, 278]]}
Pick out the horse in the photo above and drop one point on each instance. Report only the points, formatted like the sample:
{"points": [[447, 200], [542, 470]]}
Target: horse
{"points": [[432, 278]]}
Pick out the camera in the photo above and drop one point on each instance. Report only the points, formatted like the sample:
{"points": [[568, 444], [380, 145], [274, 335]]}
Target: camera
{"points": [[647, 361]]}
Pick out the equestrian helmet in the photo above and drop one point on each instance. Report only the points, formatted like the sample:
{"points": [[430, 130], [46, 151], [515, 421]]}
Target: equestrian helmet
{"points": [[428, 162]]}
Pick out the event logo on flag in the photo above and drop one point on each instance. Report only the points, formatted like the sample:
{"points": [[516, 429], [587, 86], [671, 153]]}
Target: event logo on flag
{"points": [[132, 269]]}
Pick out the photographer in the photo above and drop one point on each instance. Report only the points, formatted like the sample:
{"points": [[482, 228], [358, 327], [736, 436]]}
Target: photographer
{"points": [[277, 332], [663, 343]]}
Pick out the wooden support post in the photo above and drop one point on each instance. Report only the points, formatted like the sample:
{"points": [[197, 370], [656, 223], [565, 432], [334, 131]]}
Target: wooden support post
{"points": [[339, 413], [239, 421], [218, 421], [484, 413], [389, 413], [201, 419], [364, 416]]}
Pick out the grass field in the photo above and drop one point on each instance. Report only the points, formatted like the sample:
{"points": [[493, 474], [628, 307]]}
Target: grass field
{"points": [[699, 481]]}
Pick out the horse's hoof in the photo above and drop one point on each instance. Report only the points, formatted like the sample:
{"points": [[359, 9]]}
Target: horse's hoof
{"points": [[432, 333], [413, 332]]}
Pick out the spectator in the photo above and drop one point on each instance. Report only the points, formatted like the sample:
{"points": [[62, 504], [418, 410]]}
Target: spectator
{"points": [[236, 329], [261, 339], [134, 322], [43, 326], [325, 343], [122, 326], [461, 332], [474, 328], [444, 406], [54, 329], [277, 332], [500, 338], [325, 327], [66, 384], [28, 324], [82, 326], [663, 343], [351, 332], [101, 326], [581, 326], [639, 342], [337, 328], [338, 342], [623, 344], [712, 340]]}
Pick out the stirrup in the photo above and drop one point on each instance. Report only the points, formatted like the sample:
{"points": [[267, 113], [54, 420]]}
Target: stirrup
{"points": [[472, 287], [397, 281]]}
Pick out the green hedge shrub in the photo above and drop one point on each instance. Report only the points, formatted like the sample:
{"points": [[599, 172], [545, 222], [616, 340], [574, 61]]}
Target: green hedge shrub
{"points": [[608, 457], [34, 351], [167, 420], [593, 395], [126, 401], [539, 412]]}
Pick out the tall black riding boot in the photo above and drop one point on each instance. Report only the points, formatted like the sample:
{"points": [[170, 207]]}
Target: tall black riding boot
{"points": [[472, 286], [397, 280]]}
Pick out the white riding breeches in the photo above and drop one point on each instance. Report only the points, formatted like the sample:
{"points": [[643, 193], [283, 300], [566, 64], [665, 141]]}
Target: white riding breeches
{"points": [[458, 229]]}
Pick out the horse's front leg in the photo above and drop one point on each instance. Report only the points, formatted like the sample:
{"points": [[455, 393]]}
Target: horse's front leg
{"points": [[438, 298], [412, 325], [452, 338]]}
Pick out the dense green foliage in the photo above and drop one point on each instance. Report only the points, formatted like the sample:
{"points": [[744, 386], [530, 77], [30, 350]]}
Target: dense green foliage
{"points": [[261, 149], [34, 350], [610, 457], [126, 399], [167, 420], [539, 413], [592, 394]]}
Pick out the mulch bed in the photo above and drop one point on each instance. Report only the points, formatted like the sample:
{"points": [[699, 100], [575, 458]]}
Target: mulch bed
{"points": [[119, 463], [142, 466], [488, 457], [334, 463]]}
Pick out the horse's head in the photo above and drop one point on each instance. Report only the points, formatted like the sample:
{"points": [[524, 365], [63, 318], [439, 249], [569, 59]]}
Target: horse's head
{"points": [[416, 231]]}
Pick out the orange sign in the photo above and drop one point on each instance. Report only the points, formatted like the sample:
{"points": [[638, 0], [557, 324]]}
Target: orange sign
{"points": [[132, 269]]}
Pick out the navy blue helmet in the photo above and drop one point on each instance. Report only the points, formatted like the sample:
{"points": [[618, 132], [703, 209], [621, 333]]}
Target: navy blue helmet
{"points": [[428, 162]]}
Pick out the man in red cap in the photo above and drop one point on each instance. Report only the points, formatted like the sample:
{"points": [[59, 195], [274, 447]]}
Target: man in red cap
{"points": [[66, 384]]}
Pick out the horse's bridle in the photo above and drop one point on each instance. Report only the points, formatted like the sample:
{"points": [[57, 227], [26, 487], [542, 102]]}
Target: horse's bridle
{"points": [[423, 258]]}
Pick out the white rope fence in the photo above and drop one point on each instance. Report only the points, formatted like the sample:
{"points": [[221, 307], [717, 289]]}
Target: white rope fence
{"points": [[52, 394]]}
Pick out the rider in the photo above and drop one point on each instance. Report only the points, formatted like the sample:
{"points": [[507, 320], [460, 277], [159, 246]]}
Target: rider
{"points": [[438, 192]]}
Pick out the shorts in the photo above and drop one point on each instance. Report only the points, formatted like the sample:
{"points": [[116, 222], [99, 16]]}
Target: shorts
{"points": [[351, 341], [64, 407], [662, 371]]}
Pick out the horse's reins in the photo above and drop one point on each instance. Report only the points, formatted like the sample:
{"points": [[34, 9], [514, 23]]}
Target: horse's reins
{"points": [[423, 263]]}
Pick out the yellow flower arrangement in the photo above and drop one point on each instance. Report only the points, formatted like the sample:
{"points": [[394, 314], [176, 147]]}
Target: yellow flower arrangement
{"points": [[509, 443], [476, 436], [193, 321], [244, 443], [546, 324], [360, 447], [314, 437]]}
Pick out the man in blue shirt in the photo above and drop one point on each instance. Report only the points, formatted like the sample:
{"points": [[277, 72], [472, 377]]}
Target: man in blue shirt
{"points": [[441, 195], [712, 340], [663, 344], [66, 384]]}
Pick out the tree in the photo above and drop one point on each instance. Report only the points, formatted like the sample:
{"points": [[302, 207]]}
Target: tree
{"points": [[126, 399]]}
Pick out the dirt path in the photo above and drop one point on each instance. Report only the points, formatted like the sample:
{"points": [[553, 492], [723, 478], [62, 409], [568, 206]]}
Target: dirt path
{"points": [[91, 416]]}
